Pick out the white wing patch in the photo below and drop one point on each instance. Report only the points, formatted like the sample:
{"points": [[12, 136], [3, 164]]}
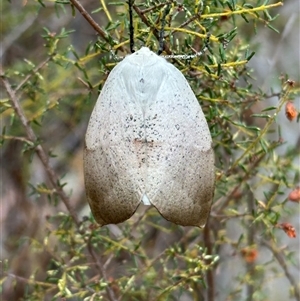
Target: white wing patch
{"points": [[148, 141]]}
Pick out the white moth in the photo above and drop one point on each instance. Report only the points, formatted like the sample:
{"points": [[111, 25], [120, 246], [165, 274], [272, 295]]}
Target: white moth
{"points": [[148, 141]]}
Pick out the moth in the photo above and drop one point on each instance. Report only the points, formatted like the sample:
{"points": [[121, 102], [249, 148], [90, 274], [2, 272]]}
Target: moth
{"points": [[148, 142]]}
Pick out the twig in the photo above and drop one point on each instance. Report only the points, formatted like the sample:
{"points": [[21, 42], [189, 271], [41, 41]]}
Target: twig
{"points": [[147, 10], [34, 71], [187, 22], [280, 258], [31, 137], [131, 28], [220, 204], [15, 138], [110, 292], [209, 273], [31, 281], [154, 30], [148, 266], [250, 267], [89, 18], [39, 149], [93, 23]]}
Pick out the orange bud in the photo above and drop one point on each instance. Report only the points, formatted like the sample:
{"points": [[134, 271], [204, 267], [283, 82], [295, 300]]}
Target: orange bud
{"points": [[249, 254], [93, 226], [288, 229], [114, 285], [290, 111], [294, 195]]}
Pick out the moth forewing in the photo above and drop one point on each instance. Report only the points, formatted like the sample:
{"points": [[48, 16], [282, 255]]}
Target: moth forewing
{"points": [[148, 140]]}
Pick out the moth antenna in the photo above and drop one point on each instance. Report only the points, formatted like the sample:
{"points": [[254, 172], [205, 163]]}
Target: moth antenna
{"points": [[131, 28], [162, 30]]}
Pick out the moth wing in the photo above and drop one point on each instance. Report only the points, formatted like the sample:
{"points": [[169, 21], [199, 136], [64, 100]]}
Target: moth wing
{"points": [[112, 159], [148, 139], [180, 181]]}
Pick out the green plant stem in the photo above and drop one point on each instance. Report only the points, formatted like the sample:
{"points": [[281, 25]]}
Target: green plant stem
{"points": [[241, 11]]}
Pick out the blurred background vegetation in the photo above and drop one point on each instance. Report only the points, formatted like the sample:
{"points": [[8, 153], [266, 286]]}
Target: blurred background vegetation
{"points": [[55, 57]]}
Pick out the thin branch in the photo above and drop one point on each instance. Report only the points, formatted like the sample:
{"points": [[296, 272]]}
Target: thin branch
{"points": [[54, 179], [34, 71], [110, 292], [187, 22], [31, 281], [285, 96], [221, 204], [250, 266], [147, 10], [93, 23], [154, 30], [210, 272], [15, 138], [89, 18], [39, 149], [280, 258]]}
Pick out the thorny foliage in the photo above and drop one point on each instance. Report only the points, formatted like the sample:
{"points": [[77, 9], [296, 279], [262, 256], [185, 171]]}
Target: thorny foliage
{"points": [[52, 72]]}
